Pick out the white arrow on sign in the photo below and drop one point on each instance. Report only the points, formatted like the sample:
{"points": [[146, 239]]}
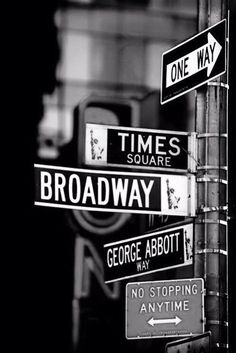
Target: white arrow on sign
{"points": [[197, 60], [176, 320]]}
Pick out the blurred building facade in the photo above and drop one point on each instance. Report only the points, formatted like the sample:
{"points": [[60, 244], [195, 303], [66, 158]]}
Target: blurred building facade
{"points": [[112, 48]]}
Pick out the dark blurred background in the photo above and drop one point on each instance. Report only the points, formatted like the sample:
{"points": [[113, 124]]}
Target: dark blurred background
{"points": [[68, 51]]}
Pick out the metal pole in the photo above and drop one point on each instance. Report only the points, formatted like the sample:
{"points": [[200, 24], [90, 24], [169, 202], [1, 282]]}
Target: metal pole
{"points": [[211, 248]]}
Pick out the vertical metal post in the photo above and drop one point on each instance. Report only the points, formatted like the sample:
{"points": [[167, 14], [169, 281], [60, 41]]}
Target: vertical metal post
{"points": [[211, 248]]}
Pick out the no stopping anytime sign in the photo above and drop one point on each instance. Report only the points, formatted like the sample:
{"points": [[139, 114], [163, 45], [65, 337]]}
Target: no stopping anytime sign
{"points": [[164, 308]]}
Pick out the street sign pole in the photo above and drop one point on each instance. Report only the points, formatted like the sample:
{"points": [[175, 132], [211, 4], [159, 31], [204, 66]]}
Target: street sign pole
{"points": [[211, 261]]}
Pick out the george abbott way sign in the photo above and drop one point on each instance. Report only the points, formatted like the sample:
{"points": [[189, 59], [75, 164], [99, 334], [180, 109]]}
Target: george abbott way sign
{"points": [[118, 146], [194, 62], [148, 253], [97, 190], [164, 308]]}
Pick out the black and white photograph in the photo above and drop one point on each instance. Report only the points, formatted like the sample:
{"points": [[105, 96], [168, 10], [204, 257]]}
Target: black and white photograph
{"points": [[121, 206]]}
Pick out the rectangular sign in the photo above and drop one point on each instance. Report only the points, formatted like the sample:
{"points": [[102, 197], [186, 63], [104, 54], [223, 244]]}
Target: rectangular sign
{"points": [[194, 62], [196, 344], [98, 190], [164, 308], [140, 148], [159, 250]]}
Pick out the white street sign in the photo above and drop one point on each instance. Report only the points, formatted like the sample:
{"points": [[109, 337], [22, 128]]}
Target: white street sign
{"points": [[164, 308]]}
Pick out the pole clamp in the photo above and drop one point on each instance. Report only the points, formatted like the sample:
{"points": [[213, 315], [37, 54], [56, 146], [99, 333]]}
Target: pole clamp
{"points": [[212, 209], [211, 134], [222, 345], [217, 294], [212, 221], [211, 251], [210, 167], [217, 322], [219, 84], [207, 179]]}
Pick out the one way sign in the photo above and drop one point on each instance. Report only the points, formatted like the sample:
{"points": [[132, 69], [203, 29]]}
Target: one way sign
{"points": [[194, 62]]}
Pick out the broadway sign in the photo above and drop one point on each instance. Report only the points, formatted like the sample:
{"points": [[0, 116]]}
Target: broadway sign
{"points": [[85, 189], [149, 253], [140, 148], [194, 62]]}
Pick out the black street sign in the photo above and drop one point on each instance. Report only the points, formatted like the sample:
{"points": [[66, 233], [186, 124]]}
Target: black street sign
{"points": [[99, 190], [194, 62], [195, 344], [140, 148], [148, 253]]}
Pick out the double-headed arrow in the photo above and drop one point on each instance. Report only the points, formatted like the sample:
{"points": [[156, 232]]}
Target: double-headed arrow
{"points": [[176, 320], [195, 61]]}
